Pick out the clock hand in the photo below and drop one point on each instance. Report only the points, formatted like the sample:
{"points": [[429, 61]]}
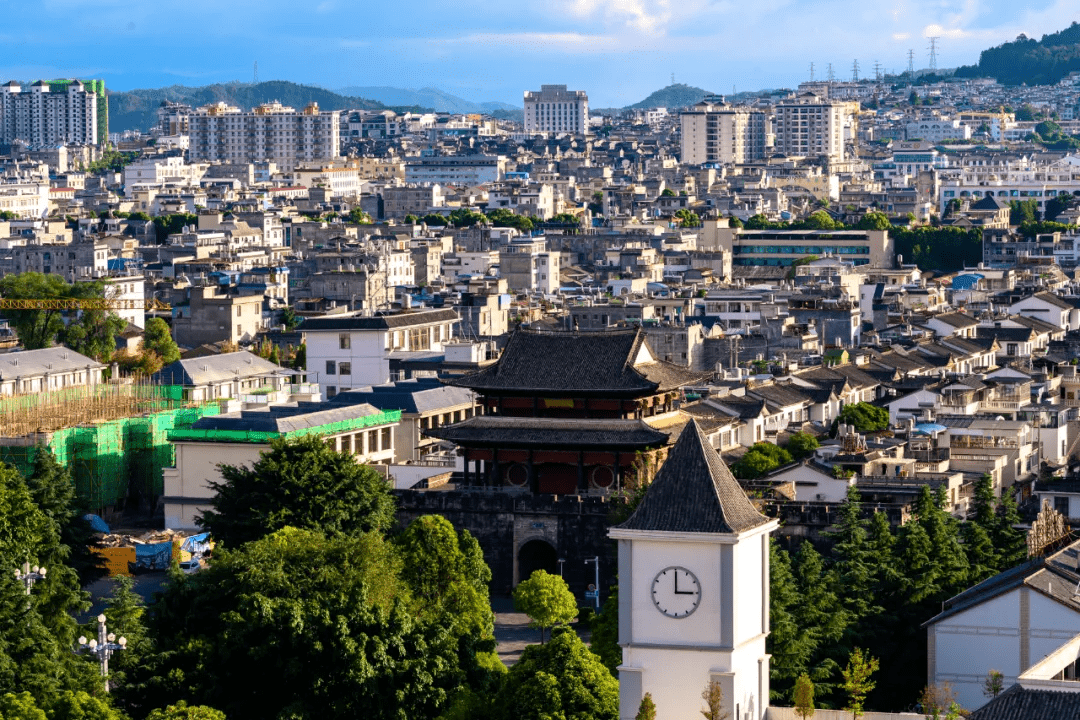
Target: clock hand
{"points": [[677, 590]]}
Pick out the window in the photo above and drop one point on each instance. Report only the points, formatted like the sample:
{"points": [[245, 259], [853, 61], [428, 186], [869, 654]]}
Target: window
{"points": [[1061, 504], [344, 341], [331, 391], [331, 367], [239, 329], [345, 368], [238, 309]]}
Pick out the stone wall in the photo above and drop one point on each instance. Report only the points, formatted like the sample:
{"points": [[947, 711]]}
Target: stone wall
{"points": [[575, 526]]}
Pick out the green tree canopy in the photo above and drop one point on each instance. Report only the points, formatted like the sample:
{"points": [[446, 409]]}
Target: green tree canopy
{"points": [[299, 624], [874, 221], [302, 483], [36, 328], [158, 337], [801, 444], [761, 458], [546, 600], [857, 680], [864, 417], [560, 679], [183, 711]]}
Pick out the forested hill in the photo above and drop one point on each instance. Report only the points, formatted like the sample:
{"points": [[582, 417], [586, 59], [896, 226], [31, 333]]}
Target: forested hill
{"points": [[673, 96], [1030, 61], [137, 109]]}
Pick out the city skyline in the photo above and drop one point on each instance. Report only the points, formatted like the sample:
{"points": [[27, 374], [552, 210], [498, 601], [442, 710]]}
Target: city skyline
{"points": [[618, 51]]}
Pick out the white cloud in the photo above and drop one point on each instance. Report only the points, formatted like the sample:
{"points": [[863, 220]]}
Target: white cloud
{"points": [[650, 16], [901, 36], [565, 42]]}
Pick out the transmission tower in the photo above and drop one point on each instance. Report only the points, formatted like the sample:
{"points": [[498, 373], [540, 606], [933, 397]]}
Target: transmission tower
{"points": [[831, 76], [256, 80], [911, 63], [811, 72], [933, 52], [855, 71], [877, 71]]}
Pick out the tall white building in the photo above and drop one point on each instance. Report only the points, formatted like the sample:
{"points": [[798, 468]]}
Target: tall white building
{"points": [[42, 115], [809, 126], [694, 590], [720, 133], [270, 132], [557, 110]]}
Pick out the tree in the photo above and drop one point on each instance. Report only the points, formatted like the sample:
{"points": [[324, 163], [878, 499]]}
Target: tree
{"points": [[864, 417], [801, 444], [993, 684], [857, 680], [804, 696], [874, 221], [938, 702], [790, 646], [1023, 211], [668, 192], [20, 707], [82, 706], [166, 225], [36, 328], [820, 220], [434, 220], [93, 334], [158, 337], [299, 624], [546, 600], [290, 319], [913, 98], [300, 359], [52, 489], [183, 711], [761, 458], [302, 483], [411, 219], [560, 679], [1058, 205], [358, 216], [713, 695], [604, 628], [124, 611], [647, 708]]}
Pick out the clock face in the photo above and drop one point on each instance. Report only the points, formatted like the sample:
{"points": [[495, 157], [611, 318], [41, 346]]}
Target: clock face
{"points": [[676, 592]]}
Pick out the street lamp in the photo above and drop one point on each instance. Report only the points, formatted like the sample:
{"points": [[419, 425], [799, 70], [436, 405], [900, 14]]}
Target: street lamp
{"points": [[28, 576], [596, 586], [561, 561], [103, 647]]}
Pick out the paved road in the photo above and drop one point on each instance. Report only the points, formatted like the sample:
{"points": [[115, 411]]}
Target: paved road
{"points": [[512, 631]]}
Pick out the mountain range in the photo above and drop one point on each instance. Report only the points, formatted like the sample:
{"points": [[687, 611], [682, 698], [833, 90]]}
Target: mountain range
{"points": [[137, 109], [425, 97]]}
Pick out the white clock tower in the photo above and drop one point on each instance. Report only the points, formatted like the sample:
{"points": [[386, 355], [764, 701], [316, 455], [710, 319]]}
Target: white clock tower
{"points": [[694, 590]]}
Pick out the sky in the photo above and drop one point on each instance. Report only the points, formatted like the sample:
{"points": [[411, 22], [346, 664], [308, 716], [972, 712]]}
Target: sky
{"points": [[617, 50]]}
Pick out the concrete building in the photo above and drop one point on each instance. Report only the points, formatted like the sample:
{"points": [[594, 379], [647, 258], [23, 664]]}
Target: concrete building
{"points": [[48, 113], [270, 132], [239, 438], [350, 351], [210, 317], [554, 109], [157, 172], [935, 130], [783, 247], [459, 170], [412, 200], [721, 133], [527, 265], [809, 126]]}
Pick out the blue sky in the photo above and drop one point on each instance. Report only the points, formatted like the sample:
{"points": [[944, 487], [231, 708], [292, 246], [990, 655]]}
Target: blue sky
{"points": [[617, 50]]}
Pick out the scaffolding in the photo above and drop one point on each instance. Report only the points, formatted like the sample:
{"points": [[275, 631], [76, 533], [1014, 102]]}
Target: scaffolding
{"points": [[113, 438]]}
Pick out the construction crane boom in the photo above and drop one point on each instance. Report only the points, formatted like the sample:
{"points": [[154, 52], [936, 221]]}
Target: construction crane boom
{"points": [[82, 304]]}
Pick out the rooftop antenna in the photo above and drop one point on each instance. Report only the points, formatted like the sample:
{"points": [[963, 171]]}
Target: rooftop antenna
{"points": [[811, 72], [933, 52], [255, 81], [855, 71], [831, 75], [911, 63]]}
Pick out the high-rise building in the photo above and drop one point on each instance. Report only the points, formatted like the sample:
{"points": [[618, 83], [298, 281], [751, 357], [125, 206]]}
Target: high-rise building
{"points": [[54, 112], [270, 132], [809, 126], [715, 132], [557, 110]]}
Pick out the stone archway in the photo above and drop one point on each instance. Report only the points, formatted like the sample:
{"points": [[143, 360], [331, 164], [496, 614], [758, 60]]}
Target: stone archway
{"points": [[536, 555]]}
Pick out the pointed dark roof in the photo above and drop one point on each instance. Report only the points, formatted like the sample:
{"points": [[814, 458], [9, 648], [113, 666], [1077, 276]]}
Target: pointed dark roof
{"points": [[695, 492], [596, 362], [989, 202]]}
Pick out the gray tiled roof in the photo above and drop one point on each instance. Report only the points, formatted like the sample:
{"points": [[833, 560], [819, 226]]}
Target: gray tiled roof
{"points": [[587, 362], [284, 418], [54, 360], [695, 492], [378, 322], [1018, 703], [217, 368], [411, 396], [544, 432]]}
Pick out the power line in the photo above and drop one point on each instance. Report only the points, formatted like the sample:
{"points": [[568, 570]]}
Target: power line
{"points": [[911, 62], [855, 71], [831, 76], [933, 52], [811, 72], [877, 70]]}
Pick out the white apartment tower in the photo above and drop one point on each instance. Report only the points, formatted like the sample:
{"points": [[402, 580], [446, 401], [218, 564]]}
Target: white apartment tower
{"points": [[42, 116], [557, 110], [720, 133], [809, 126], [270, 132]]}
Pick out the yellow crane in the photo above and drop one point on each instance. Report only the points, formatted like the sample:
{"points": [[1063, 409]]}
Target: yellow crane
{"points": [[151, 304]]}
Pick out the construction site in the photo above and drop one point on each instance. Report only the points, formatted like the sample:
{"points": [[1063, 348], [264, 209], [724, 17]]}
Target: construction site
{"points": [[112, 437]]}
